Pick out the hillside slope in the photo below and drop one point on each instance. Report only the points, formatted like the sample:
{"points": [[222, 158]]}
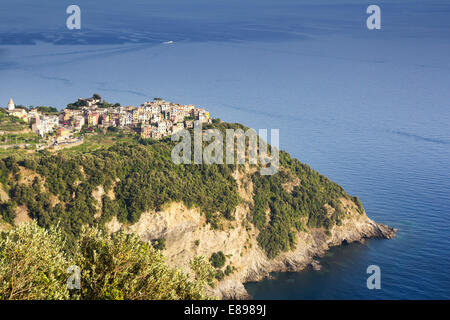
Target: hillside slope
{"points": [[248, 224]]}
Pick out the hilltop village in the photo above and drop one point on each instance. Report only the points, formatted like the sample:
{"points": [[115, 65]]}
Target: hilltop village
{"points": [[155, 119]]}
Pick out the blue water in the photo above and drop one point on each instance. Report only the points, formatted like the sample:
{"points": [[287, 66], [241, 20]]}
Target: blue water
{"points": [[369, 109]]}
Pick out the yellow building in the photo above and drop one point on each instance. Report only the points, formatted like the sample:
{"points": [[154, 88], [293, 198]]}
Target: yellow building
{"points": [[62, 132], [19, 113], [93, 119]]}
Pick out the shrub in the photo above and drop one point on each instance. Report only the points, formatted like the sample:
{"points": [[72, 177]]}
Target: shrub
{"points": [[217, 259], [32, 264], [219, 275], [8, 211], [204, 272], [229, 270], [159, 244], [120, 266]]}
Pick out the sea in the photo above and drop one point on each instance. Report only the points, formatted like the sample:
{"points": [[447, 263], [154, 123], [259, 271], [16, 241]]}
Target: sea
{"points": [[370, 109]]}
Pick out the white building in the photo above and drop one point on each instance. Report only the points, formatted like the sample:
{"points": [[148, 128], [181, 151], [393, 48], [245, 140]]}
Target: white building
{"points": [[11, 105], [164, 126], [78, 122], [47, 124]]}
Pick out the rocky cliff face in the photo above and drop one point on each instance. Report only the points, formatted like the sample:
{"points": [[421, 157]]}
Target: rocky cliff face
{"points": [[188, 235]]}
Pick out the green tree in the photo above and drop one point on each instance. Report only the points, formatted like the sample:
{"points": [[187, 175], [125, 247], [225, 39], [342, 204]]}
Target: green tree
{"points": [[32, 264]]}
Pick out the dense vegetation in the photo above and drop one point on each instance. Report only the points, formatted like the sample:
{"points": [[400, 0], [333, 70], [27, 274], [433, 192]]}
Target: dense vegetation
{"points": [[290, 212], [142, 177], [34, 265], [47, 110]]}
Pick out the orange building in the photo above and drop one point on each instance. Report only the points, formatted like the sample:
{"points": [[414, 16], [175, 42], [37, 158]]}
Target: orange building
{"points": [[62, 132]]}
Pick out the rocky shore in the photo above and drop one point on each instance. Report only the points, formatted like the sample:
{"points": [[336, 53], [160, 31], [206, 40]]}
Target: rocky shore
{"points": [[308, 249]]}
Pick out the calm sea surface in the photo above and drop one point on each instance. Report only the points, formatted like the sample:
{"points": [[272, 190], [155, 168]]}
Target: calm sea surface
{"points": [[369, 109]]}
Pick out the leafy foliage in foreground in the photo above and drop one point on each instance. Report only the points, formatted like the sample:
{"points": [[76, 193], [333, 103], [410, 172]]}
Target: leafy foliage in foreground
{"points": [[122, 267], [33, 265]]}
